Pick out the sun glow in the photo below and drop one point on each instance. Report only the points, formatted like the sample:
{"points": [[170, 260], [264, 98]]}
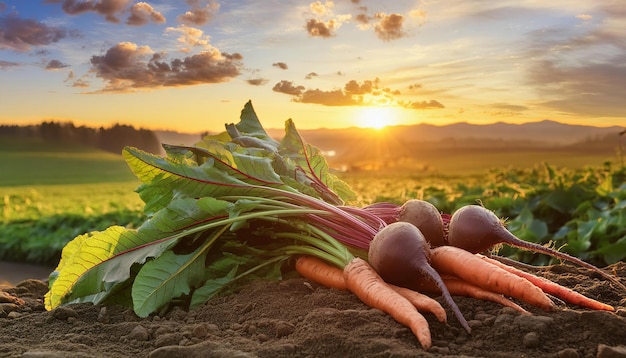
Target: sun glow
{"points": [[376, 117]]}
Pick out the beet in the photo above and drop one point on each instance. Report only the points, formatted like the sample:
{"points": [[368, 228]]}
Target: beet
{"points": [[425, 217], [401, 256], [476, 229]]}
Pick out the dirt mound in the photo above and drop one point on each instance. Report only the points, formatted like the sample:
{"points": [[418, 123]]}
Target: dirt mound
{"points": [[296, 318]]}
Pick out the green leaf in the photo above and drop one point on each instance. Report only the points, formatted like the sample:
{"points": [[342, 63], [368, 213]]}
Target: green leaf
{"points": [[606, 187], [311, 168], [561, 200], [211, 288], [92, 265], [527, 227], [165, 278], [188, 179], [613, 252], [251, 125]]}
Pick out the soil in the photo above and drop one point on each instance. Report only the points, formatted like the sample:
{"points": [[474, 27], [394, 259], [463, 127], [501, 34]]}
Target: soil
{"points": [[297, 318]]}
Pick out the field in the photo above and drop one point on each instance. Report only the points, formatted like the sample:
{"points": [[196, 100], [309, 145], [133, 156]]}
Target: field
{"points": [[54, 192], [51, 193]]}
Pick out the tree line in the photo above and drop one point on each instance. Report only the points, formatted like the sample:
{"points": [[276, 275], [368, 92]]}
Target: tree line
{"points": [[112, 139]]}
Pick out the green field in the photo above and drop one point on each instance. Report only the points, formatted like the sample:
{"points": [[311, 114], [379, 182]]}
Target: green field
{"points": [[54, 192]]}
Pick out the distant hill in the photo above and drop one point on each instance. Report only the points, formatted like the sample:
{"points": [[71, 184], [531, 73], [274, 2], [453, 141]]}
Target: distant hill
{"points": [[544, 133], [455, 146]]}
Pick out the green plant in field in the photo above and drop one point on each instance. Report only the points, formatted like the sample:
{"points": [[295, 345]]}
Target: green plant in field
{"points": [[38, 221], [582, 212], [230, 207]]}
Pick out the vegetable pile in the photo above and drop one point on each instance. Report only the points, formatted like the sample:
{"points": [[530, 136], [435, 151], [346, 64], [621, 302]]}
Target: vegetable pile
{"points": [[240, 205]]}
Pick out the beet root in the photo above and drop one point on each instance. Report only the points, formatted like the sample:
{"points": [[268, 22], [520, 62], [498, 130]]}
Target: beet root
{"points": [[401, 255], [425, 217], [476, 229]]}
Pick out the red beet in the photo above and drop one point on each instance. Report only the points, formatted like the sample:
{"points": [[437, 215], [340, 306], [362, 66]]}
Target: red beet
{"points": [[425, 217], [401, 255], [476, 229]]}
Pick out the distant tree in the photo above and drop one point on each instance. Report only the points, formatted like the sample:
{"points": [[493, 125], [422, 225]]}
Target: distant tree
{"points": [[114, 139], [111, 139]]}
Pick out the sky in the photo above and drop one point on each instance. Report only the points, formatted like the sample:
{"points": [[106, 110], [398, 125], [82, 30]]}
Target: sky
{"points": [[191, 65]]}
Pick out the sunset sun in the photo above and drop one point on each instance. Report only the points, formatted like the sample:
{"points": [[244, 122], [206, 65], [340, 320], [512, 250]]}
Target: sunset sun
{"points": [[376, 117]]}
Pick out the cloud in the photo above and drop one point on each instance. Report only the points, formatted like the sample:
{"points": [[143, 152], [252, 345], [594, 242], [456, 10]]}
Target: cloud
{"points": [[354, 88], [580, 71], [310, 75], [327, 98], [22, 34], [141, 13], [352, 94], [318, 28], [110, 9], [3, 7], [74, 82], [363, 21], [590, 89], [126, 67], [432, 104], [281, 65], [324, 22], [321, 9], [55, 65], [257, 81], [389, 27], [190, 37], [201, 12], [509, 107], [7, 64], [287, 87]]}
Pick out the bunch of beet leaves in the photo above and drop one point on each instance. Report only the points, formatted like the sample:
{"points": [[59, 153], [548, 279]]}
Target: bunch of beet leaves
{"points": [[229, 209]]}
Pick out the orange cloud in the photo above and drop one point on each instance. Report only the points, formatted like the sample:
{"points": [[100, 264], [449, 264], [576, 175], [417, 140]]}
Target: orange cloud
{"points": [[190, 37], [141, 13], [257, 81], [389, 27], [328, 98], [126, 66], [281, 65], [200, 12], [432, 104], [287, 87]]}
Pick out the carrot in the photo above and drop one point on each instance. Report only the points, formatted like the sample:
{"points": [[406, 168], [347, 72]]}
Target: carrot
{"points": [[458, 287], [422, 302], [553, 288], [369, 287], [465, 265], [476, 229], [320, 272]]}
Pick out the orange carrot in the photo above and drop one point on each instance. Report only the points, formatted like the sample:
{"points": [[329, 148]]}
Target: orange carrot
{"points": [[553, 288], [465, 265], [320, 272], [422, 302], [369, 287], [458, 287]]}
